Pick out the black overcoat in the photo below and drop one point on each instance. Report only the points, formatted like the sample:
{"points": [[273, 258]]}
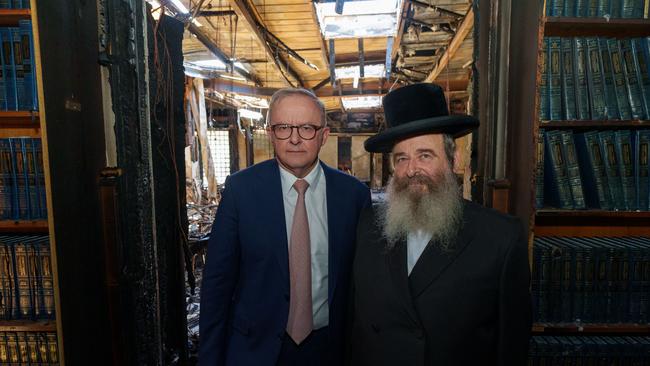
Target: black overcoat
{"points": [[468, 306]]}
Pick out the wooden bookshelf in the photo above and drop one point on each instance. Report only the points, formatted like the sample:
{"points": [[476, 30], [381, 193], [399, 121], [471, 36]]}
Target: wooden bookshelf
{"points": [[10, 17], [590, 223], [585, 27], [24, 227], [591, 328], [605, 124], [27, 326], [19, 124]]}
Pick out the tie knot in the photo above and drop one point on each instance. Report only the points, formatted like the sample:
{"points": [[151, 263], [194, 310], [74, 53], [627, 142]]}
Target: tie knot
{"points": [[301, 186]]}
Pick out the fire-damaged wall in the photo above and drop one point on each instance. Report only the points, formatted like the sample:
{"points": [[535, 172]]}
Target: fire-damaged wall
{"points": [[117, 179]]}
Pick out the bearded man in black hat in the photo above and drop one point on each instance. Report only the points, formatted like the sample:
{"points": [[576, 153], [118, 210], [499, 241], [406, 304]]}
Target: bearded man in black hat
{"points": [[437, 280]]}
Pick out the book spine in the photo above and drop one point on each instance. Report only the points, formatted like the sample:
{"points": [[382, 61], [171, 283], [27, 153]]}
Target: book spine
{"points": [[557, 183], [595, 80], [568, 80], [620, 83], [32, 175], [642, 162], [581, 8], [555, 78], [627, 8], [5, 180], [3, 97], [9, 69], [47, 281], [615, 8], [579, 288], [608, 80], [569, 8], [53, 348], [544, 107], [35, 279], [581, 84], [9, 299], [41, 178], [539, 173], [20, 71], [608, 147], [22, 277], [633, 85], [643, 73], [28, 64], [21, 178], [623, 141], [592, 169], [603, 8], [557, 9], [573, 170], [15, 201], [593, 6]]}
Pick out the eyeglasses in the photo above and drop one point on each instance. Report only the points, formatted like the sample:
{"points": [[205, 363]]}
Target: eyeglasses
{"points": [[284, 131]]}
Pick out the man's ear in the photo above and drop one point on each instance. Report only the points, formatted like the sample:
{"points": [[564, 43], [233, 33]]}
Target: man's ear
{"points": [[457, 157]]}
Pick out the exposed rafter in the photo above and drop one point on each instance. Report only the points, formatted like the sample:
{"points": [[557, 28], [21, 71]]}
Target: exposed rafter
{"points": [[461, 33], [243, 9]]}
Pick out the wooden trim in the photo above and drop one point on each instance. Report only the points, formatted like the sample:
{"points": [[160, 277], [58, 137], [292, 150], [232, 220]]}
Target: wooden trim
{"points": [[594, 124], [581, 27], [591, 223], [27, 326], [590, 328], [23, 226], [454, 45], [19, 124], [611, 215], [10, 17]]}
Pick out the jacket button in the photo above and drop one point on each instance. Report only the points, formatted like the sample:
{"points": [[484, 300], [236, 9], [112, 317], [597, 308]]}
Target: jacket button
{"points": [[375, 328]]}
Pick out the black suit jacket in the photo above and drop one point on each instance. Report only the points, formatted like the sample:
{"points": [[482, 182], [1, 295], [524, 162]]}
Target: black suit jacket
{"points": [[470, 306]]}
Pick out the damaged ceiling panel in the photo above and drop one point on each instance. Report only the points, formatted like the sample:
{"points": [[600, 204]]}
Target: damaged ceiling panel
{"points": [[264, 45]]}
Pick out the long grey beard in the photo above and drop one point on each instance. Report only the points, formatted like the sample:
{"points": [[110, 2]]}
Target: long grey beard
{"points": [[438, 211]]}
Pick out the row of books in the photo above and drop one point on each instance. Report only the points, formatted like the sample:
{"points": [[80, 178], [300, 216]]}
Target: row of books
{"points": [[591, 280], [596, 8], [14, 4], [22, 183], [605, 170], [26, 281], [17, 75], [595, 79], [589, 350], [29, 348]]}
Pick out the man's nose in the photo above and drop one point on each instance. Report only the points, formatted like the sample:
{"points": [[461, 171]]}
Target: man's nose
{"points": [[412, 169], [295, 137]]}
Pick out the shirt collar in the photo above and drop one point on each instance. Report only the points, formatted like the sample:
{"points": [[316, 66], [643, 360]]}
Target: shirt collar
{"points": [[288, 179]]}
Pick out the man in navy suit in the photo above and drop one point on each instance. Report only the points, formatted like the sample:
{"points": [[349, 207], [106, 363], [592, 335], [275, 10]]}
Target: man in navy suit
{"points": [[276, 279]]}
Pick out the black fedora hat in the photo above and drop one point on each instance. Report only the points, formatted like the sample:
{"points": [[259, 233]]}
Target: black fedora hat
{"points": [[415, 110]]}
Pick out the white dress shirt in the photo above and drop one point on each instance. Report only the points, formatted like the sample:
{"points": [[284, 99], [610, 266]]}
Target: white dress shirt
{"points": [[316, 204], [415, 244]]}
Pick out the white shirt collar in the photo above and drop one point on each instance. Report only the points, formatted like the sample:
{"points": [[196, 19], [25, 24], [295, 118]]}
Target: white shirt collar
{"points": [[288, 179]]}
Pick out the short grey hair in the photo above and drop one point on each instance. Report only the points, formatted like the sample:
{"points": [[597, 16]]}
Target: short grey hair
{"points": [[285, 92], [450, 148]]}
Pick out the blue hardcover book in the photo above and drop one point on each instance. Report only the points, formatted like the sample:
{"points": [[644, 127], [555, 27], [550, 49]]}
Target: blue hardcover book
{"points": [[641, 162], [5, 4], [9, 69], [32, 179], [581, 8], [581, 84], [615, 8], [557, 8], [20, 69], [543, 89], [556, 179], [568, 80], [23, 179], [630, 69], [643, 73], [41, 178], [573, 170], [549, 6], [620, 82], [625, 157], [609, 88], [592, 8], [592, 169], [627, 8], [595, 80], [569, 8], [6, 181], [608, 146], [604, 8], [555, 78], [30, 101], [15, 199], [539, 171]]}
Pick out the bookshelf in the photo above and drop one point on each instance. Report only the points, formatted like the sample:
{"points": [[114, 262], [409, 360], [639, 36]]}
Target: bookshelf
{"points": [[568, 236], [20, 125]]}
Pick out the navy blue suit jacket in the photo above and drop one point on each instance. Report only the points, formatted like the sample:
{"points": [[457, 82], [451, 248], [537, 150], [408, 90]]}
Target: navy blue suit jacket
{"points": [[245, 288]]}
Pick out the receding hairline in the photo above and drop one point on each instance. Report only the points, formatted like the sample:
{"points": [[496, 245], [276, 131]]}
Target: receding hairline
{"points": [[287, 92]]}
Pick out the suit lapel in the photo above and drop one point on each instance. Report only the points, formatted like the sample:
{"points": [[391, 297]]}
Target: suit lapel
{"points": [[396, 262], [334, 229], [433, 262], [276, 214]]}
